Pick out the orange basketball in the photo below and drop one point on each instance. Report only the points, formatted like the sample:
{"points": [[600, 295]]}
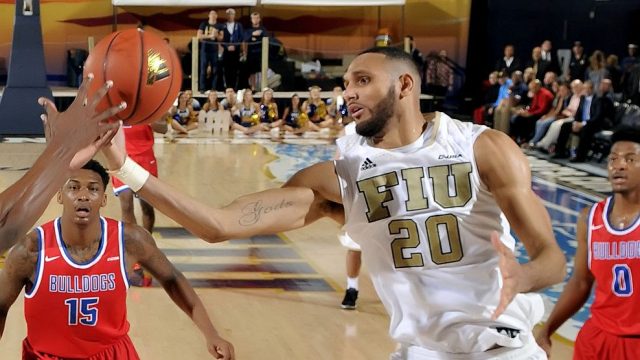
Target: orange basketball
{"points": [[145, 72]]}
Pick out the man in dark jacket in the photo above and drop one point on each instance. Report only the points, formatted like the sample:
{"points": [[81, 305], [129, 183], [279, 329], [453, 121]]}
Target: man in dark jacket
{"points": [[594, 114]]}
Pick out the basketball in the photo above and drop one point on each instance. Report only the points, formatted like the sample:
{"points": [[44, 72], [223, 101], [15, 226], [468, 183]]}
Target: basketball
{"points": [[145, 71]]}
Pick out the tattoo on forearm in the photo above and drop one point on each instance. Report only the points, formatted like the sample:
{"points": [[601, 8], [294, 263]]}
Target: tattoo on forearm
{"points": [[252, 212]]}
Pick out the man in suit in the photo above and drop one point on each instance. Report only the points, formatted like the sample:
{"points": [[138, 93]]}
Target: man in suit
{"points": [[538, 64], [594, 114], [509, 63], [233, 49], [549, 56]]}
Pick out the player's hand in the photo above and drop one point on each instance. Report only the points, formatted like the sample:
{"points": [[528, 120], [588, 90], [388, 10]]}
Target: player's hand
{"points": [[220, 348], [544, 339], [114, 151], [512, 274], [80, 125]]}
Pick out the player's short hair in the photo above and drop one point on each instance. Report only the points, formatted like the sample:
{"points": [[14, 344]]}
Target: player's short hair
{"points": [[394, 53], [626, 133], [96, 167]]}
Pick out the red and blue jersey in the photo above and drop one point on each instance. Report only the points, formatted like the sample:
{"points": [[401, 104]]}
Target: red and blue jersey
{"points": [[138, 139], [75, 310], [614, 261]]}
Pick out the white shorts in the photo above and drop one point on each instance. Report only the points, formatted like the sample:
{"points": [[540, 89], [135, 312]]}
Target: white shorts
{"points": [[347, 242], [530, 351]]}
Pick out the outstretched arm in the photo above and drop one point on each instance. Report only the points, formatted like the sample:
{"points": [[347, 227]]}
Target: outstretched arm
{"points": [[68, 132], [309, 195], [575, 293], [141, 246], [505, 171], [18, 269]]}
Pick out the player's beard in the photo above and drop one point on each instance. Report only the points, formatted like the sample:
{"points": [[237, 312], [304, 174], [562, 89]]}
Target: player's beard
{"points": [[379, 117]]}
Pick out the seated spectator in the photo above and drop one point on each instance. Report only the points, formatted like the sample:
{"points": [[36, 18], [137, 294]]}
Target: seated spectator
{"points": [[183, 117], [578, 89], [614, 73], [549, 79], [207, 116], [316, 109], [597, 70], [594, 114], [248, 114], [296, 120], [507, 107], [523, 124], [508, 63], [269, 109], [337, 108], [212, 103], [528, 76], [560, 102], [492, 88]]}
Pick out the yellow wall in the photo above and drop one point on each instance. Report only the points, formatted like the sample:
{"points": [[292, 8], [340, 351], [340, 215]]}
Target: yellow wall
{"points": [[311, 31]]}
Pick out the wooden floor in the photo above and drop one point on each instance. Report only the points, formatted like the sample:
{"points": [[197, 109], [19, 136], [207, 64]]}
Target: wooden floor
{"points": [[262, 323]]}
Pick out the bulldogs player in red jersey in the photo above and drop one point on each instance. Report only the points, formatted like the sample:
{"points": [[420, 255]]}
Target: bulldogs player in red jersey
{"points": [[607, 258], [74, 272], [139, 146]]}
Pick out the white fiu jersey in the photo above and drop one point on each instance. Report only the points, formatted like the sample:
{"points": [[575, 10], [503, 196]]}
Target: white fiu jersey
{"points": [[424, 221]]}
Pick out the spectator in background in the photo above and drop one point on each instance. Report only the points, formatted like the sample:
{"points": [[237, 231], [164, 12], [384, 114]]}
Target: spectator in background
{"points": [[578, 63], [523, 124], [253, 43], [538, 64], [509, 63], [632, 59], [233, 49], [505, 110], [528, 76], [595, 114], [490, 89], [547, 143], [631, 85], [597, 70], [548, 55], [269, 109], [504, 88], [183, 117], [550, 78], [439, 74], [316, 109], [560, 103], [296, 120], [209, 35], [614, 73]]}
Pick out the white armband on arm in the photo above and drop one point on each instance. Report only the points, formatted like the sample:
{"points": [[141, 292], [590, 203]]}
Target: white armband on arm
{"points": [[131, 174]]}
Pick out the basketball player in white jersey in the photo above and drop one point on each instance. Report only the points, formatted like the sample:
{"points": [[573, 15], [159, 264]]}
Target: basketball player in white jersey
{"points": [[430, 200]]}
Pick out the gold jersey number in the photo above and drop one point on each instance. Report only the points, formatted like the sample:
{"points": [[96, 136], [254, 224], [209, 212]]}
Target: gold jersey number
{"points": [[443, 237]]}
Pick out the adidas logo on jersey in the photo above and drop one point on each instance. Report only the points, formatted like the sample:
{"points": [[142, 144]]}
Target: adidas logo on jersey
{"points": [[367, 164]]}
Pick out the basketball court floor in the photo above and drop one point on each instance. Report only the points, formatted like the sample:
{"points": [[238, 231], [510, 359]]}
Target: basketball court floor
{"points": [[277, 296]]}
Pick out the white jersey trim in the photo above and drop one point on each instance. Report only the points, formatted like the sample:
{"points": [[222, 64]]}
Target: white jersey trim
{"points": [[39, 265], [592, 213], [122, 252], [605, 218], [67, 257]]}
